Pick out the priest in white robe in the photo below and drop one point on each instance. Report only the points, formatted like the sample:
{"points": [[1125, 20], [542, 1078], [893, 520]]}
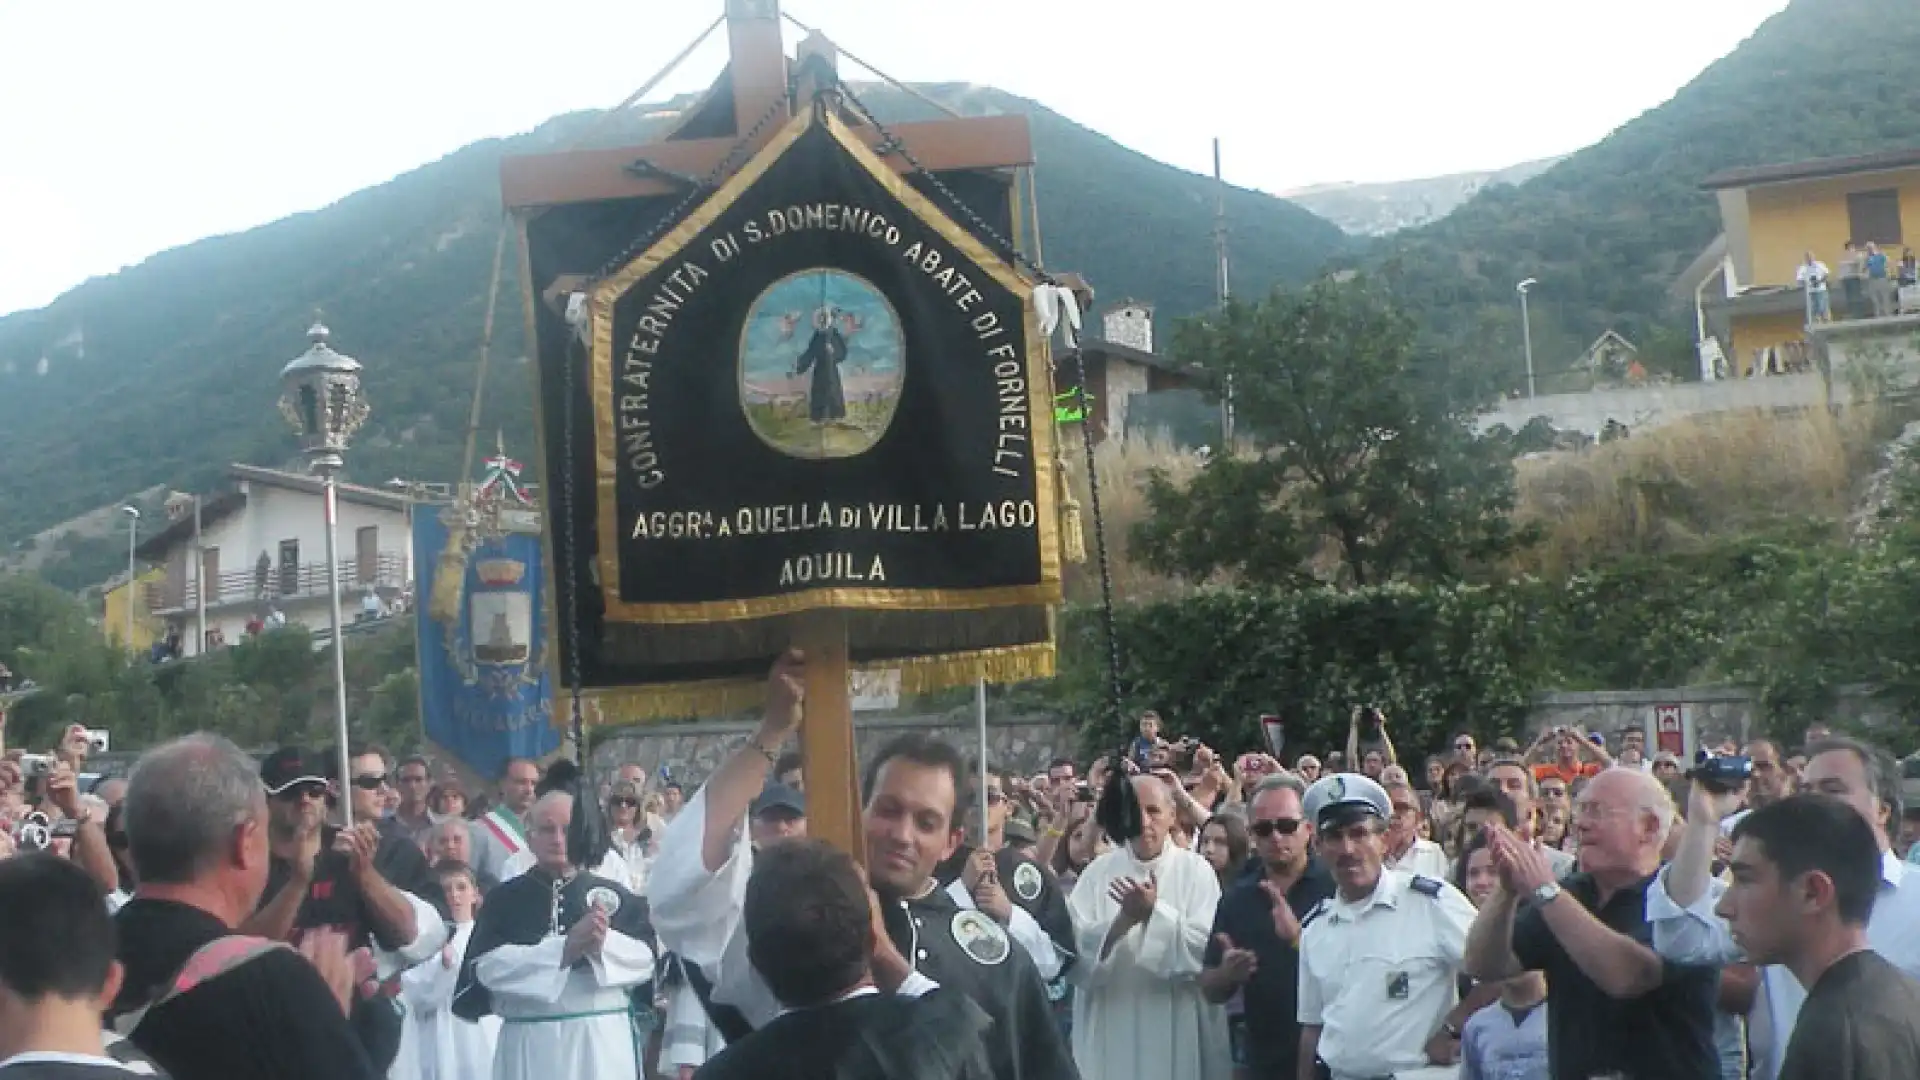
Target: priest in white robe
{"points": [[559, 954], [1142, 914]]}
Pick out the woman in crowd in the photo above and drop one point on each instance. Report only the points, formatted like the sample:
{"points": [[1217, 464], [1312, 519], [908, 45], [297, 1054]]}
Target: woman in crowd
{"points": [[1224, 843], [447, 800]]}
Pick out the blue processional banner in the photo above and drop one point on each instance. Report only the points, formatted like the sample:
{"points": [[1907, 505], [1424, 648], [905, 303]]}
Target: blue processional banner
{"points": [[485, 695]]}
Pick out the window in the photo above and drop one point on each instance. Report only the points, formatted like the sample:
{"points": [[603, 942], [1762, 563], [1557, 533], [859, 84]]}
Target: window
{"points": [[289, 567], [1874, 216]]}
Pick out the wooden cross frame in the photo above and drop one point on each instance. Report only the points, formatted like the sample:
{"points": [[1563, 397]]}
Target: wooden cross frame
{"points": [[754, 83]]}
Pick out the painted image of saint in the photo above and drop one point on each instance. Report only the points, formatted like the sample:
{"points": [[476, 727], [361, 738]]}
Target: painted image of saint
{"points": [[822, 363]]}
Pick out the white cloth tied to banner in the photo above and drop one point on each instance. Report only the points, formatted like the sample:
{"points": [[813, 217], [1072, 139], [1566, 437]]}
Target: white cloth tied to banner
{"points": [[1055, 304]]}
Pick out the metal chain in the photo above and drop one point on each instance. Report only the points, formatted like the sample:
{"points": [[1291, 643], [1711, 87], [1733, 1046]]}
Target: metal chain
{"points": [[1116, 699], [890, 141], [699, 190], [577, 569]]}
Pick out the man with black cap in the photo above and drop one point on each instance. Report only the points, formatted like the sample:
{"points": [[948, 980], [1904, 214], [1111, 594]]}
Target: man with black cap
{"points": [[1376, 1016], [778, 813], [325, 877]]}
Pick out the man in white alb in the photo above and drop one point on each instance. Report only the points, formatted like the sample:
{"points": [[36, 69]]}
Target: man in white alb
{"points": [[1142, 914]]}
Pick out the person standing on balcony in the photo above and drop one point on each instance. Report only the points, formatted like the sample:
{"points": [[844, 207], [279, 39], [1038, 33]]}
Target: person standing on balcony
{"points": [[1853, 275], [1879, 282], [1812, 277]]}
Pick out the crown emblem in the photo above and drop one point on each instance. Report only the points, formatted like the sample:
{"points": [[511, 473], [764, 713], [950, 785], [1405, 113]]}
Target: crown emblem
{"points": [[500, 572]]}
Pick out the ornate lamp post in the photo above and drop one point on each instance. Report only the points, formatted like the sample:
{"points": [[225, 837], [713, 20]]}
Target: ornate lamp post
{"points": [[323, 402]]}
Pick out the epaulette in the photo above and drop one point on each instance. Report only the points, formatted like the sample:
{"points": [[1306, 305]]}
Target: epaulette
{"points": [[1319, 909], [1425, 886]]}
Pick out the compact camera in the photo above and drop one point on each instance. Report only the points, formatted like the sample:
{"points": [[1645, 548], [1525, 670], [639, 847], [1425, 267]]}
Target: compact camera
{"points": [[97, 740], [36, 833]]}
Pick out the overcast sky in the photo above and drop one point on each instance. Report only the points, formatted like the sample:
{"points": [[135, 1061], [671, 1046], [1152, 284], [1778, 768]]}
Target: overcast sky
{"points": [[130, 127]]}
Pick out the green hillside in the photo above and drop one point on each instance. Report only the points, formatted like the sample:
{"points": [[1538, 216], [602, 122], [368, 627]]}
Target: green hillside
{"points": [[165, 372], [1608, 229]]}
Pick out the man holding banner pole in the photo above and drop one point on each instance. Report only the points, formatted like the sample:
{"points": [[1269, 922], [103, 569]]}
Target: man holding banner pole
{"points": [[913, 795]]}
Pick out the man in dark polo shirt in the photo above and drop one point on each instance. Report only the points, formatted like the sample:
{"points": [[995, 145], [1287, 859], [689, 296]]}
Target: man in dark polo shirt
{"points": [[1618, 1008], [1806, 871], [1253, 952], [323, 877]]}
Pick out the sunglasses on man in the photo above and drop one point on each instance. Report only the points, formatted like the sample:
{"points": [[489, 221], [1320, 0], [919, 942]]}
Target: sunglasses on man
{"points": [[1269, 826], [370, 781]]}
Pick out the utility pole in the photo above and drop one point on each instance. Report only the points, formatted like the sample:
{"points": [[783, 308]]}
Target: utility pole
{"points": [[1222, 289], [199, 577], [1526, 331]]}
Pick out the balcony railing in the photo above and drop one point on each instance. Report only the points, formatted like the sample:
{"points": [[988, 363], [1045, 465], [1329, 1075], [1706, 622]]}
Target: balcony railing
{"points": [[298, 582]]}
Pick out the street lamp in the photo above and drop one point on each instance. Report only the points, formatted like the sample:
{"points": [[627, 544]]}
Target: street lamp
{"points": [[323, 402], [133, 536], [1526, 330]]}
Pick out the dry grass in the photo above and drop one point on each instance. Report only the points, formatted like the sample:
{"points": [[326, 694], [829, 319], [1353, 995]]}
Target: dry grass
{"points": [[1670, 487], [1123, 468]]}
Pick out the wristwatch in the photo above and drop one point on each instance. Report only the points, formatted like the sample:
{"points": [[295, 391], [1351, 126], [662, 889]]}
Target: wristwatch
{"points": [[1452, 1029], [1546, 894]]}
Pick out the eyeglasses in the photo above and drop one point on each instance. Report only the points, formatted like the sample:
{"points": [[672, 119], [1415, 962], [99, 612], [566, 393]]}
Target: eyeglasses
{"points": [[624, 801], [995, 796], [1587, 810], [1283, 826], [370, 782]]}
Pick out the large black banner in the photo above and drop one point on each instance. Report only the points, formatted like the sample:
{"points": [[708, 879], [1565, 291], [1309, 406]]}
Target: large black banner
{"points": [[818, 391]]}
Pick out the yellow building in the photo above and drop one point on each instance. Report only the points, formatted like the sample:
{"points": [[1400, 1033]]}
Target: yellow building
{"points": [[113, 621], [1773, 216]]}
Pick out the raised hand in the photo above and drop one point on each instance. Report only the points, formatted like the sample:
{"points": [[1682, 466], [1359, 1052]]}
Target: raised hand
{"points": [[786, 697], [1236, 964], [1285, 923], [326, 950]]}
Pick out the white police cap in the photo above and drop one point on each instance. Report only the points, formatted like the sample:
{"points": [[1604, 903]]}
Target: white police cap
{"points": [[1330, 795]]}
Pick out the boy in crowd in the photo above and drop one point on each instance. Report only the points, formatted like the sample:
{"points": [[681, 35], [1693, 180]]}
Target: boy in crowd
{"points": [[57, 975]]}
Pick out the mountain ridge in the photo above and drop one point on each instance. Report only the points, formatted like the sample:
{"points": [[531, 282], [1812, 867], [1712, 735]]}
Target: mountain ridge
{"points": [[1605, 232], [1382, 207], [177, 372]]}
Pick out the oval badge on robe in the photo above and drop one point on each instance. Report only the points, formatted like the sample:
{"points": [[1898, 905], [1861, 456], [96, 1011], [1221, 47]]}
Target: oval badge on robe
{"points": [[604, 899], [1027, 881], [981, 937]]}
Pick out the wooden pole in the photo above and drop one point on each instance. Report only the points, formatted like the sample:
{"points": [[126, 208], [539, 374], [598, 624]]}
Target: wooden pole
{"points": [[759, 60], [826, 735]]}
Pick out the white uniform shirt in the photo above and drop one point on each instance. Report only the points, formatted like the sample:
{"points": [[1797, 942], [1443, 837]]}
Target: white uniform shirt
{"points": [[1426, 859], [1695, 935], [1380, 975]]}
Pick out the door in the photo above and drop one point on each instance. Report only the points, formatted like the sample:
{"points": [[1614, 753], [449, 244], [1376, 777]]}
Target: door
{"points": [[289, 567], [179, 588], [210, 573], [366, 555]]}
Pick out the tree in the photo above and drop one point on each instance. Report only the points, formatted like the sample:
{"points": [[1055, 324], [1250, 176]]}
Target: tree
{"points": [[1350, 468]]}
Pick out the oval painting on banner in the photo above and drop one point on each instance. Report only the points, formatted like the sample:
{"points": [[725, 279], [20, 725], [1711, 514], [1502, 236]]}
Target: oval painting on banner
{"points": [[822, 361]]}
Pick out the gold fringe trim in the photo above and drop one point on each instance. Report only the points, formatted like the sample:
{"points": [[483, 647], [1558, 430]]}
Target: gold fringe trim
{"points": [[449, 579], [918, 675], [1073, 530]]}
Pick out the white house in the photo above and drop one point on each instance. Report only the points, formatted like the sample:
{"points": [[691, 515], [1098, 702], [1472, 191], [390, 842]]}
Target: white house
{"points": [[265, 550]]}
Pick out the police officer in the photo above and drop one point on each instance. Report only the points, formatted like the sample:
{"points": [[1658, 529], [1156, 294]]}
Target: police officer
{"points": [[1379, 960]]}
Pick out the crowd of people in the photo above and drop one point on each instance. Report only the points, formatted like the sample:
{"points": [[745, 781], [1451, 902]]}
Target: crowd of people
{"points": [[1569, 909]]}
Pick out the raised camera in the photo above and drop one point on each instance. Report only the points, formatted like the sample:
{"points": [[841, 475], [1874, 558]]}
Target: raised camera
{"points": [[1721, 773]]}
